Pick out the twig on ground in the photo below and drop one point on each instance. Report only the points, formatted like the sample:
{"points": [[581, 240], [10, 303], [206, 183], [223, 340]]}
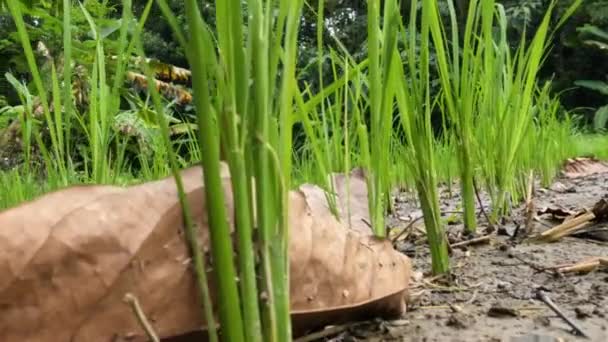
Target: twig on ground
{"points": [[481, 239], [542, 296], [409, 225], [586, 265], [483, 211], [141, 317], [529, 206]]}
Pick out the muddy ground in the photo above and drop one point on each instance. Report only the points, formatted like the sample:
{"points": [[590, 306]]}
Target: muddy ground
{"points": [[492, 293]]}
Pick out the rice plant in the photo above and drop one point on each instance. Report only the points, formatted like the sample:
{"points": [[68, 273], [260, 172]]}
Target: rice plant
{"points": [[256, 127], [506, 107], [410, 82]]}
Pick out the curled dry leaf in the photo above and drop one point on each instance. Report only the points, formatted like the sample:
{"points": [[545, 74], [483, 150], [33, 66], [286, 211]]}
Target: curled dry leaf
{"points": [[582, 167], [69, 258]]}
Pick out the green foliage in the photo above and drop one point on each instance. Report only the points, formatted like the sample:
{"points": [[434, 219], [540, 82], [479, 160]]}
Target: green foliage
{"points": [[598, 38]]}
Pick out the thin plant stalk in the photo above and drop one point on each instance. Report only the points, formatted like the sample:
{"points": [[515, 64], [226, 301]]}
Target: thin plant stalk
{"points": [[221, 246], [189, 228], [230, 37], [382, 43], [64, 144]]}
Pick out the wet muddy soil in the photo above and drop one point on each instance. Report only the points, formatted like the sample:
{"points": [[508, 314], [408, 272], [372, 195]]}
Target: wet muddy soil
{"points": [[492, 293]]}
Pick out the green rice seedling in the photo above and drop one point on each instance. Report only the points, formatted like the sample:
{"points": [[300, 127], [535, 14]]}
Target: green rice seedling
{"points": [[256, 124], [551, 136], [331, 136], [488, 94], [411, 85], [330, 128], [381, 46], [460, 63], [197, 256], [506, 108]]}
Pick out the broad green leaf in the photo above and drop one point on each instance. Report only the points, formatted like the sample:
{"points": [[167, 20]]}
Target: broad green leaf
{"points": [[601, 118], [593, 30], [600, 86], [109, 27]]}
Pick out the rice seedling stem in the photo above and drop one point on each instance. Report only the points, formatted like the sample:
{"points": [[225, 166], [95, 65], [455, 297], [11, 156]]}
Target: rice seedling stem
{"points": [[221, 246], [189, 227]]}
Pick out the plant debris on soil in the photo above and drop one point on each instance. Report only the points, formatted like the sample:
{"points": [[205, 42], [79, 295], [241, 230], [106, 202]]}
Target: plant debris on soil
{"points": [[500, 284]]}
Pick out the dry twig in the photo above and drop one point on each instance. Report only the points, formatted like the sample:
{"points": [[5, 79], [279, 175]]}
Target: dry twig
{"points": [[542, 296], [483, 211], [529, 206], [568, 227], [584, 266], [141, 317], [409, 225], [481, 239]]}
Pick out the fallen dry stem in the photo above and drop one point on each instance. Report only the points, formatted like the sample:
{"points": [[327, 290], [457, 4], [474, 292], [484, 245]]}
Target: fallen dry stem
{"points": [[568, 227], [406, 229], [481, 208], [141, 317], [529, 206], [583, 266], [543, 297]]}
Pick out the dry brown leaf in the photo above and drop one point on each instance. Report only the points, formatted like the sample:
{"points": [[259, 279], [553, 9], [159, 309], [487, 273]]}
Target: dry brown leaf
{"points": [[74, 257], [68, 259], [582, 167]]}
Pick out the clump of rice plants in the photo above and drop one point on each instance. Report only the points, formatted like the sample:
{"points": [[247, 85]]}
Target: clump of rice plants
{"points": [[489, 96], [506, 109], [256, 133], [410, 82]]}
